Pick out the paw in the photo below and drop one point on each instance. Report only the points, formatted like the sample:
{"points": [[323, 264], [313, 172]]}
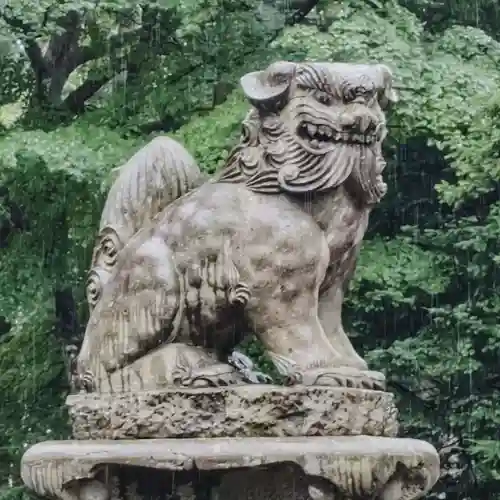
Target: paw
{"points": [[245, 367], [83, 381], [239, 295]]}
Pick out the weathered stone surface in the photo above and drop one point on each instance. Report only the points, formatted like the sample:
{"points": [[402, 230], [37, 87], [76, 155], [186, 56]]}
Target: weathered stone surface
{"points": [[269, 244], [314, 467], [248, 410]]}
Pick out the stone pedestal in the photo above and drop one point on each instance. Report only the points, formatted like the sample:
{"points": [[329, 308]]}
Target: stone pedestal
{"points": [[253, 442], [234, 468], [245, 410]]}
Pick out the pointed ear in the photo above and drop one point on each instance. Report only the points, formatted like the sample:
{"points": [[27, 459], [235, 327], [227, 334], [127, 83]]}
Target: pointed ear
{"points": [[269, 90], [388, 95]]}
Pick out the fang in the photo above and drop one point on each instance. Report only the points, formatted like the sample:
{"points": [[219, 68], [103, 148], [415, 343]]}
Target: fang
{"points": [[311, 129]]}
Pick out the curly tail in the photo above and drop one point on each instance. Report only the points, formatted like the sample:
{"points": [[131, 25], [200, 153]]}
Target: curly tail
{"points": [[158, 174]]}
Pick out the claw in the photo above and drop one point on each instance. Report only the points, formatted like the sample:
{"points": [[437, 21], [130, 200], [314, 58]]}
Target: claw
{"points": [[240, 361], [240, 294], [245, 366], [256, 377], [83, 382]]}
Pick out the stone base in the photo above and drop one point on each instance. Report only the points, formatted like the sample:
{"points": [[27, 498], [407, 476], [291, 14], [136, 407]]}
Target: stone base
{"points": [[247, 410], [305, 468]]}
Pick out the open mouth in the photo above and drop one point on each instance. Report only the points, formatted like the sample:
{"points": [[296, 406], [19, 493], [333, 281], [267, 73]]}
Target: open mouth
{"points": [[323, 137]]}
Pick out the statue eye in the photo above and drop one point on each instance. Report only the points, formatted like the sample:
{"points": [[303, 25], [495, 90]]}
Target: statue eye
{"points": [[322, 97], [358, 94]]}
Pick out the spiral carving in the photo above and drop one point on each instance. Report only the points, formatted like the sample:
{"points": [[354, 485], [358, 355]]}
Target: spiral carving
{"points": [[250, 129], [105, 256], [93, 288], [109, 246], [95, 283]]}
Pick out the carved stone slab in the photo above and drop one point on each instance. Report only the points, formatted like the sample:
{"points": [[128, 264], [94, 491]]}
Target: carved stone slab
{"points": [[329, 468], [249, 410]]}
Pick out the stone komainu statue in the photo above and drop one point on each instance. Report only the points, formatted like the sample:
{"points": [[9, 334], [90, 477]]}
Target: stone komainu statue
{"points": [[184, 266]]}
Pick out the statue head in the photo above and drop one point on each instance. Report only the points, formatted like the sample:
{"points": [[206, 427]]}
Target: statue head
{"points": [[314, 127]]}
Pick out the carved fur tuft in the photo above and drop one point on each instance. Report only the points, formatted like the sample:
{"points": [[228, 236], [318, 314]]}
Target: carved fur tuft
{"points": [[158, 174]]}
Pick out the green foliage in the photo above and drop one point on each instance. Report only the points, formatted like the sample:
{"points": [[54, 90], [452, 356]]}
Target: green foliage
{"points": [[134, 62], [215, 47], [440, 15], [476, 156], [210, 138], [14, 72], [56, 181]]}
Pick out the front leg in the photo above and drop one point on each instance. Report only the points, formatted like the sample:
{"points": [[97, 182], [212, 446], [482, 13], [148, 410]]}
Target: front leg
{"points": [[330, 316], [354, 366], [294, 339], [284, 312], [301, 351]]}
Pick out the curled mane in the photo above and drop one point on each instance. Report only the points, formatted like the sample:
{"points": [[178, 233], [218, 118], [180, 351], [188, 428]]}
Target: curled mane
{"points": [[269, 160]]}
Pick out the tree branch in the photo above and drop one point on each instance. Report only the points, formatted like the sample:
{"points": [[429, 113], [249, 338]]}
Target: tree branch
{"points": [[299, 10], [142, 34], [75, 101], [31, 47], [98, 50], [61, 46], [303, 8], [294, 18], [50, 68]]}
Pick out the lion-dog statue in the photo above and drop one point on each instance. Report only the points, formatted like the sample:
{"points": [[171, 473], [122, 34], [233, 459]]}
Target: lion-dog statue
{"points": [[185, 266]]}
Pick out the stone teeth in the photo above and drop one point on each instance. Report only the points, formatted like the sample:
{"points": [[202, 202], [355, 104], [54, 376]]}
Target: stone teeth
{"points": [[324, 130], [322, 135], [311, 129]]}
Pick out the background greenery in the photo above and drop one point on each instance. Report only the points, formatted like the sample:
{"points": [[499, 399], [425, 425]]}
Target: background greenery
{"points": [[84, 84]]}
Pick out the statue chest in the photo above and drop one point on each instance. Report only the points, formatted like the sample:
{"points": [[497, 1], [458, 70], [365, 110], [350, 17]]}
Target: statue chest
{"points": [[344, 226], [342, 222], [346, 229]]}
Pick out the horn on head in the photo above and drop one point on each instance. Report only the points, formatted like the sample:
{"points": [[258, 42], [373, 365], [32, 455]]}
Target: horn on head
{"points": [[269, 90]]}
